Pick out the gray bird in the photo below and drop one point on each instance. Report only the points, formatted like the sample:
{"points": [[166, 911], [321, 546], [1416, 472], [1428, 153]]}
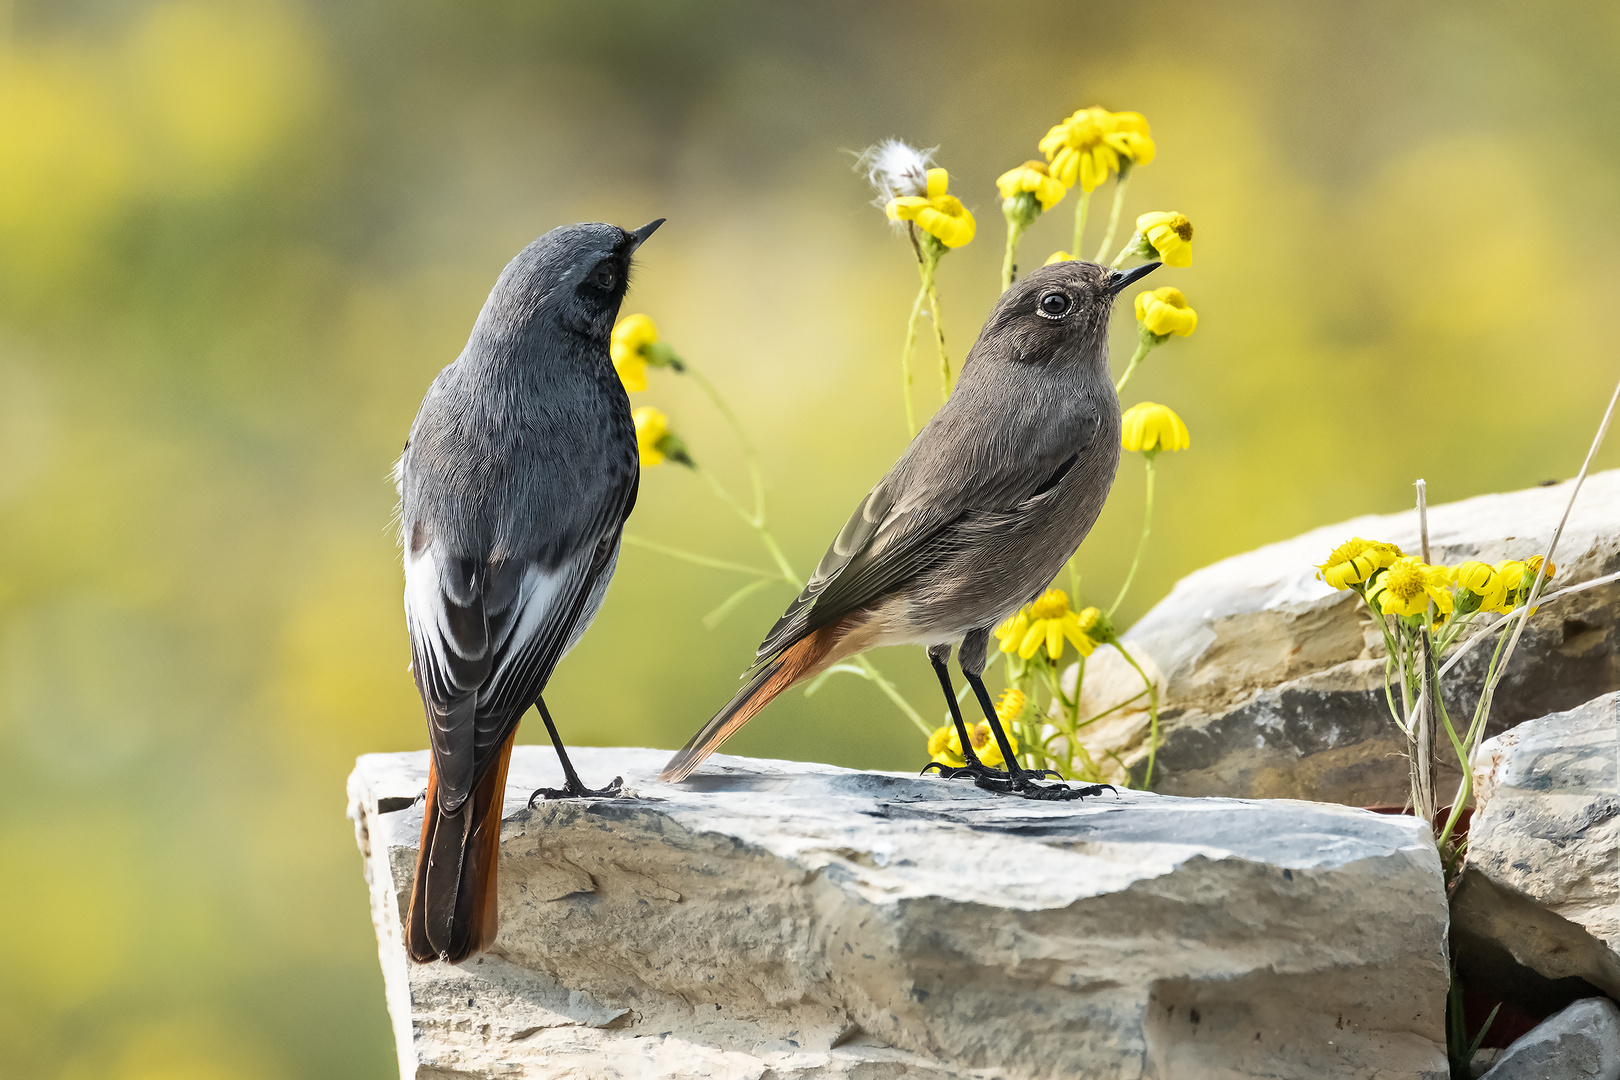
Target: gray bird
{"points": [[988, 502], [514, 487]]}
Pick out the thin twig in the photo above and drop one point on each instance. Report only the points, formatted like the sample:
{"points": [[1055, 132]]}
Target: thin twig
{"points": [[1546, 556]]}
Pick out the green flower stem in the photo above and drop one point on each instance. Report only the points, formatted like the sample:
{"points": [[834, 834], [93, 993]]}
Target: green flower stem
{"points": [[872, 673], [754, 522], [1141, 545], [1009, 261], [700, 560], [1153, 712], [1124, 253], [755, 477], [905, 360], [939, 327], [1142, 349], [1113, 215], [1081, 207], [1088, 721]]}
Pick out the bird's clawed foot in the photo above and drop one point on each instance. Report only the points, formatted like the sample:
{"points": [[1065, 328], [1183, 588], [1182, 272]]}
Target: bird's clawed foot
{"points": [[573, 789], [1024, 783]]}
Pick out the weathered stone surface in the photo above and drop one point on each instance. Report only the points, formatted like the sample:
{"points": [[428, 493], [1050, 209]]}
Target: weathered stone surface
{"points": [[1510, 948], [1272, 683], [1548, 817], [774, 919], [1580, 1043]]}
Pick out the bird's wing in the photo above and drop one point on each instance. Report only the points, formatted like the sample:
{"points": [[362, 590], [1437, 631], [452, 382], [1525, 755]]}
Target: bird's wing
{"points": [[909, 520], [486, 637]]}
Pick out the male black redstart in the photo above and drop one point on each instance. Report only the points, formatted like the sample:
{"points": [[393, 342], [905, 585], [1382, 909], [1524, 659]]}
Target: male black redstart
{"points": [[514, 487], [985, 506]]}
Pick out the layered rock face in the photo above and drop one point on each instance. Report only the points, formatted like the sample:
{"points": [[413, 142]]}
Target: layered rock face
{"points": [[1547, 821], [792, 920], [1272, 683]]}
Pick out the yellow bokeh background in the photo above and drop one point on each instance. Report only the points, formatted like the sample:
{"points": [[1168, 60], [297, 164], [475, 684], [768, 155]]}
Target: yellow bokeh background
{"points": [[239, 237]]}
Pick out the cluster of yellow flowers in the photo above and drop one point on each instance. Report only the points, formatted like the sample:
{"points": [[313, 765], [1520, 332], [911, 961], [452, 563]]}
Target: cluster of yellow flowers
{"points": [[1049, 622], [1394, 583], [945, 744], [633, 347]]}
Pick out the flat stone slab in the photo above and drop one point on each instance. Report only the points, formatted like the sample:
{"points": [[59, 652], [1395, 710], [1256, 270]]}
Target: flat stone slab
{"points": [[781, 919]]}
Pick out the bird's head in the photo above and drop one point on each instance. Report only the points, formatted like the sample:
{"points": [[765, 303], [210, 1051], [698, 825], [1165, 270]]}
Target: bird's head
{"points": [[1059, 313], [573, 277]]}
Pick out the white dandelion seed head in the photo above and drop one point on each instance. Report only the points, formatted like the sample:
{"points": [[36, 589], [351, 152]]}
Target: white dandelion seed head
{"points": [[894, 169]]}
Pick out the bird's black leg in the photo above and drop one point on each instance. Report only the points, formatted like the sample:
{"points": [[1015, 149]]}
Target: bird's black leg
{"points": [[1019, 781], [572, 788], [938, 655]]}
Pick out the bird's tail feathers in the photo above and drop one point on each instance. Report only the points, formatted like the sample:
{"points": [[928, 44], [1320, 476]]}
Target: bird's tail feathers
{"points": [[801, 660], [453, 910]]}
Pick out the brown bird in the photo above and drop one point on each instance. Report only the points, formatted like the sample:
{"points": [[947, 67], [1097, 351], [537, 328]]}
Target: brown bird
{"points": [[988, 502]]}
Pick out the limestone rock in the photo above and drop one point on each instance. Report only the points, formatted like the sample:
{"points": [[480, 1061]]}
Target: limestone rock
{"points": [[1272, 683], [1580, 1043], [1548, 816], [776, 919]]}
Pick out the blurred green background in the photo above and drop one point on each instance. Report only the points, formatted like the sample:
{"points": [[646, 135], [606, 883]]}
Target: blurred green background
{"points": [[237, 240]]}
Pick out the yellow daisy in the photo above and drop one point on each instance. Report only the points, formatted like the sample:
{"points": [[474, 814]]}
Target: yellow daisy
{"points": [[1093, 142], [1169, 234], [1408, 585], [1164, 312], [1047, 621], [938, 214], [1355, 561], [627, 346], [1149, 428], [1033, 177]]}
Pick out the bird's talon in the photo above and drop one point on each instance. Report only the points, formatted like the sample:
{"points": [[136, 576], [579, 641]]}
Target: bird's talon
{"points": [[579, 791]]}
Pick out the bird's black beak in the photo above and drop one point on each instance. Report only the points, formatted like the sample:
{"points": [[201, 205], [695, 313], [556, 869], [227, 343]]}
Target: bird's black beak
{"points": [[1121, 278], [639, 236]]}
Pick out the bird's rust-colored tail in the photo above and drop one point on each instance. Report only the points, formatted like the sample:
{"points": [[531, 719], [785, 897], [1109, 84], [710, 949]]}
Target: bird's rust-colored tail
{"points": [[452, 914], [802, 660]]}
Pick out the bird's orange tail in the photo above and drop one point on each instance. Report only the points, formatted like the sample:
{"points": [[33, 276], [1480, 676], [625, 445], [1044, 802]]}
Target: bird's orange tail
{"points": [[452, 914], [796, 663]]}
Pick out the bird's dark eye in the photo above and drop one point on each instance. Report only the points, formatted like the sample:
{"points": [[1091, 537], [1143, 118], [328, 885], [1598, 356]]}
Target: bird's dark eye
{"points": [[1054, 304], [604, 277]]}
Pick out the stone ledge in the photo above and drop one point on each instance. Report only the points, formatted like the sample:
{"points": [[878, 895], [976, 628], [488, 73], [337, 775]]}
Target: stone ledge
{"points": [[782, 919]]}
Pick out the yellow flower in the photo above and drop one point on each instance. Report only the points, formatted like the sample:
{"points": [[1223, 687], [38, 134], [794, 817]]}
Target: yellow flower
{"points": [[1059, 256], [1093, 142], [945, 747], [1408, 585], [630, 338], [1355, 561], [1516, 578], [1149, 428], [1048, 621], [939, 215], [1031, 176], [984, 740], [1164, 312], [1010, 707], [652, 434], [1483, 580], [1168, 233]]}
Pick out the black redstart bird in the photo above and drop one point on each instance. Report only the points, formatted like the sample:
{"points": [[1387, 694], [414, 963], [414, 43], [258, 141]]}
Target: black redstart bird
{"points": [[988, 502], [514, 487]]}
